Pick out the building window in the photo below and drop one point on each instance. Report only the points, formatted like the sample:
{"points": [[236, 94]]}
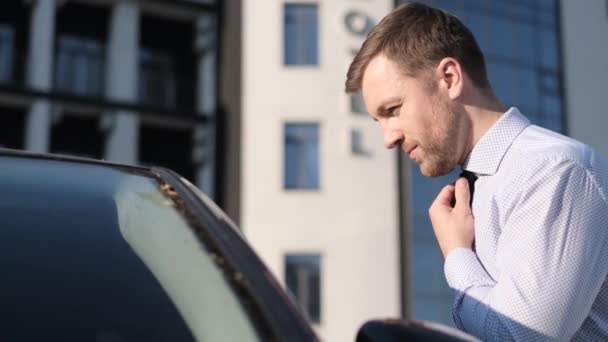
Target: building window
{"points": [[80, 66], [157, 85], [301, 33], [303, 279], [357, 104], [12, 130], [6, 52], [301, 156], [357, 146], [77, 135]]}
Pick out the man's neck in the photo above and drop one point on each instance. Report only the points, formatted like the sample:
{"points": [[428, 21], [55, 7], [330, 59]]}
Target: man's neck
{"points": [[482, 117]]}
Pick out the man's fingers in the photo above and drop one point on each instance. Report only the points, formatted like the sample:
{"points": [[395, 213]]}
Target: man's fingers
{"points": [[463, 196], [445, 197]]}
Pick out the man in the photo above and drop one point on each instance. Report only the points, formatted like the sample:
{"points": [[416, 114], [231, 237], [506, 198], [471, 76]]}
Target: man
{"points": [[528, 259]]}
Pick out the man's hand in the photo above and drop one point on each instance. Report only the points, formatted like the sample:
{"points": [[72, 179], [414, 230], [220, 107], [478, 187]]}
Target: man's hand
{"points": [[454, 226]]}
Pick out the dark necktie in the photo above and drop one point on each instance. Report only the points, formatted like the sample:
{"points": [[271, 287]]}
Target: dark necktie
{"points": [[471, 178]]}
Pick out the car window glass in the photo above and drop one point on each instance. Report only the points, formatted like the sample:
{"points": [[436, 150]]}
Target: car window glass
{"points": [[92, 253]]}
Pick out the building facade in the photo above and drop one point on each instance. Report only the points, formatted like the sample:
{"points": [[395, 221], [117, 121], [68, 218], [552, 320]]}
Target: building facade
{"points": [[318, 197], [126, 81]]}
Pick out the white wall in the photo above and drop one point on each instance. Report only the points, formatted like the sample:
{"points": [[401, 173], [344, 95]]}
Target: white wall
{"points": [[585, 46], [352, 219]]}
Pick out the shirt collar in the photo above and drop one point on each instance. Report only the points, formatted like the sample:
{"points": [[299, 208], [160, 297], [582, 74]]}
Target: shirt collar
{"points": [[489, 151]]}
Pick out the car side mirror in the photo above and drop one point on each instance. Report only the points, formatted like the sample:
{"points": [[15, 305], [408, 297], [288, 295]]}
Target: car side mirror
{"points": [[409, 330]]}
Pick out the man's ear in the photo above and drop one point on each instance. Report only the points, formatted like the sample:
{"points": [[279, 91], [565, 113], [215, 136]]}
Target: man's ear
{"points": [[449, 74]]}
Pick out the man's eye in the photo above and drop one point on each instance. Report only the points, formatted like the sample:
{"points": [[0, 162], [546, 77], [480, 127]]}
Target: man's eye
{"points": [[393, 111]]}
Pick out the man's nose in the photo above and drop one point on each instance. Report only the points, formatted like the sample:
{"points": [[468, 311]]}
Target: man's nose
{"points": [[392, 139]]}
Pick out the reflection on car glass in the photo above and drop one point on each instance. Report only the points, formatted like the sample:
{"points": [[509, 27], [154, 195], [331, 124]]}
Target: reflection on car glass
{"points": [[165, 242]]}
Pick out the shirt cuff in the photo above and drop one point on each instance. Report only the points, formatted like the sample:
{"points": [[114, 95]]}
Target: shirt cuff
{"points": [[463, 269]]}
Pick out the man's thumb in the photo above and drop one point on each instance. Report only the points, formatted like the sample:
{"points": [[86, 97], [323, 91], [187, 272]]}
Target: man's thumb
{"points": [[463, 196]]}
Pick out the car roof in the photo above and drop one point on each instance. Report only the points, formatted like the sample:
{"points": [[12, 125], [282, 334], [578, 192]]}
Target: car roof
{"points": [[8, 152]]}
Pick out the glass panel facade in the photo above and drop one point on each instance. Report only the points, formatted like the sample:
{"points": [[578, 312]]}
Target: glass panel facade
{"points": [[303, 279], [301, 34], [301, 156], [520, 42]]}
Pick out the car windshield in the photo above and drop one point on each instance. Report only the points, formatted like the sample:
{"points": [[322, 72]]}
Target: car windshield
{"points": [[96, 253]]}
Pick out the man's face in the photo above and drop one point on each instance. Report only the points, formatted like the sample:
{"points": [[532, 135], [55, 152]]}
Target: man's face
{"points": [[414, 116]]}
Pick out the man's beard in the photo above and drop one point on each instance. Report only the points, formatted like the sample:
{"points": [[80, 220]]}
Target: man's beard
{"points": [[441, 146]]}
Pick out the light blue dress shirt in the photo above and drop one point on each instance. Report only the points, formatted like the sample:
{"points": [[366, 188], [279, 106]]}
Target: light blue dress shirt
{"points": [[541, 238]]}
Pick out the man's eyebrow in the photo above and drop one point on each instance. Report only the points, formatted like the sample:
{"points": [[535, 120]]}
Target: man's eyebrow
{"points": [[380, 110]]}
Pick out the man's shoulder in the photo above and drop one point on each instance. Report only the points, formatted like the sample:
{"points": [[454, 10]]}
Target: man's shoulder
{"points": [[539, 145], [539, 152]]}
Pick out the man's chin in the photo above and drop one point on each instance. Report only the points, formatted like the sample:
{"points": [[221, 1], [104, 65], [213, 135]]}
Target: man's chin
{"points": [[434, 170]]}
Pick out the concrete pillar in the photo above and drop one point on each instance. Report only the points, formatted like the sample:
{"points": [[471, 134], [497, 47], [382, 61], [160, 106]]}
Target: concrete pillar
{"points": [[122, 139], [39, 74], [204, 137], [206, 47]]}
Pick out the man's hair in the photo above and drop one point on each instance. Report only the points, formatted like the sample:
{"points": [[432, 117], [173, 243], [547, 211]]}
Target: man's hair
{"points": [[417, 37]]}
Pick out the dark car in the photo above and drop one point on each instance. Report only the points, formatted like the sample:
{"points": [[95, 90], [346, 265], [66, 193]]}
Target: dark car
{"points": [[94, 251]]}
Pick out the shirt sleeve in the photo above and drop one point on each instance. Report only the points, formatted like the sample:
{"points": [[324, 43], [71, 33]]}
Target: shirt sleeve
{"points": [[551, 256]]}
